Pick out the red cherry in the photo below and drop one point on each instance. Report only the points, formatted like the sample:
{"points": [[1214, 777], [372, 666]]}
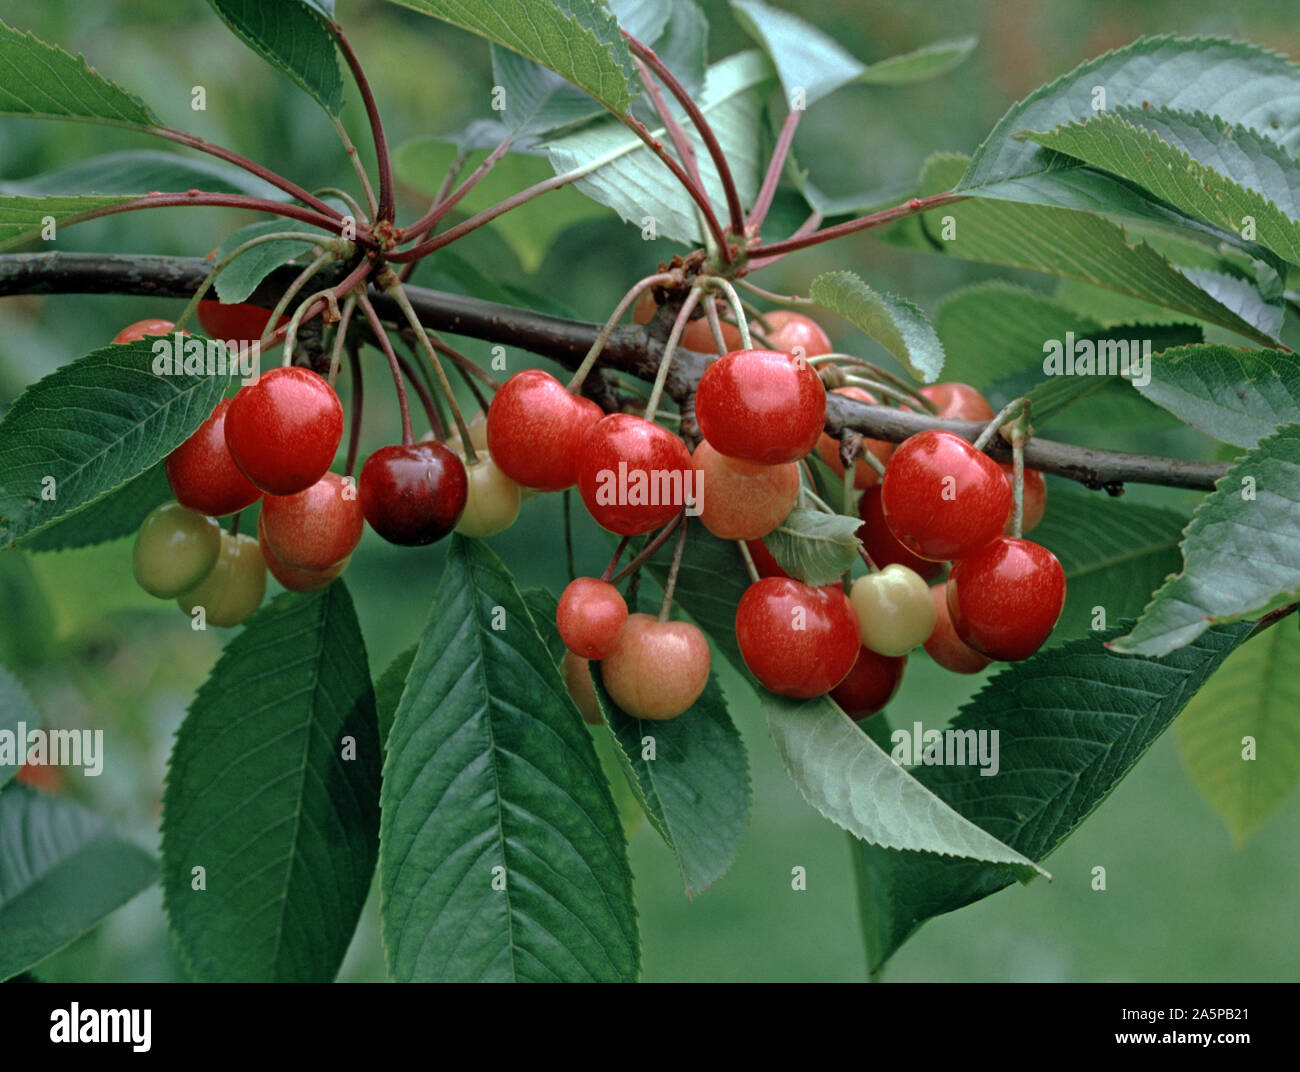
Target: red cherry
{"points": [[577, 679], [315, 528], [590, 616], [535, 430], [283, 430], [740, 500], [761, 406], [237, 322], [1034, 502], [794, 333], [633, 475], [413, 495], [942, 497], [1005, 598], [828, 449], [293, 578], [882, 545], [944, 646], [798, 641], [656, 669], [766, 565], [142, 328], [871, 683], [958, 402], [204, 476]]}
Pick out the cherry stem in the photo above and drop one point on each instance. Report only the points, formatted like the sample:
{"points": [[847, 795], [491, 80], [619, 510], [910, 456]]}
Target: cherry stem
{"points": [[661, 538], [774, 168], [682, 143], [880, 375], [444, 190], [850, 479], [715, 326], [358, 213], [772, 296], [387, 205], [908, 398], [670, 347], [670, 585], [875, 463], [426, 399], [737, 309], [862, 223], [593, 354], [304, 277], [255, 204], [1008, 412], [871, 566], [1019, 433], [367, 191], [1272, 618], [354, 434], [757, 261], [420, 228], [340, 334], [817, 501], [618, 553], [234, 522], [332, 317], [385, 344], [463, 366], [750, 568], [350, 281], [568, 533]]}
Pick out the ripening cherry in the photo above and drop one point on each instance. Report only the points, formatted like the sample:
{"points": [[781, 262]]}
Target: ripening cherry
{"points": [[1005, 598], [943, 498], [293, 578], [870, 685], [958, 402], [761, 406], [492, 499], [590, 616], [655, 669], [413, 495], [142, 328], [284, 430], [794, 333], [577, 679], [828, 449], [317, 527], [236, 322], [233, 589], [740, 500], [174, 550], [477, 435], [764, 562], [798, 641], [881, 545], [945, 647], [633, 475], [895, 613], [535, 430], [203, 475], [1034, 502], [697, 335]]}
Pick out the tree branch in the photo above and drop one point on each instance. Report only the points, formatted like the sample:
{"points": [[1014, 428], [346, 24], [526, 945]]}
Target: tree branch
{"points": [[630, 350]]}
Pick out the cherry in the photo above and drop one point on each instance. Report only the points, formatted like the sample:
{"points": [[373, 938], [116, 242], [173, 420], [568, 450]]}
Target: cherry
{"points": [[477, 435], [1005, 598], [764, 562], [895, 613], [761, 406], [590, 616], [413, 495], [174, 550], [794, 333], [633, 475], [203, 475], [958, 402], [872, 683], [292, 577], [315, 528], [1034, 502], [828, 449], [234, 588], [236, 322], [535, 430], [697, 335], [655, 669], [943, 498], [881, 545], [283, 430], [945, 647], [577, 679], [492, 499], [798, 641], [142, 328], [740, 500]]}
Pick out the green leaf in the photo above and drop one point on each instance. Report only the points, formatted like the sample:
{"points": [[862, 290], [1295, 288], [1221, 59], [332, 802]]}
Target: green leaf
{"points": [[110, 517], [815, 547], [577, 39], [15, 707], [61, 873], [1254, 694], [695, 790], [898, 325], [846, 776], [1071, 722], [90, 427], [502, 853], [542, 606], [1241, 557], [618, 171], [25, 218], [388, 690], [1235, 395], [293, 39], [273, 789], [241, 276], [928, 61], [41, 81], [140, 171]]}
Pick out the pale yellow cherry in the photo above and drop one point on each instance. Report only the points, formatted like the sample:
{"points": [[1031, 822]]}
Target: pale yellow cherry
{"points": [[894, 608], [493, 500], [234, 588], [175, 549]]}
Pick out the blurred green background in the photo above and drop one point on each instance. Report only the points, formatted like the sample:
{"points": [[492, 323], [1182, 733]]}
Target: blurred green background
{"points": [[94, 651]]}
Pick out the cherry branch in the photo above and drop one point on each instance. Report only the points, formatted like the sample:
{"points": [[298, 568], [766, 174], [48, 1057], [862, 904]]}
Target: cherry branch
{"points": [[197, 197]]}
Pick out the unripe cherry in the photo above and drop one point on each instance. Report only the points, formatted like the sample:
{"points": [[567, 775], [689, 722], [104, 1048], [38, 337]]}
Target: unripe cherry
{"points": [[590, 616], [233, 589], [577, 679], [656, 670], [894, 609], [174, 550], [741, 500], [492, 499]]}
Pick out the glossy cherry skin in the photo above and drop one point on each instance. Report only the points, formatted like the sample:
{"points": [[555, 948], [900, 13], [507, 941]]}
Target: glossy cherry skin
{"points": [[828, 449], [742, 500], [761, 406], [870, 685], [798, 641], [293, 578], [882, 545], [656, 670], [413, 495], [945, 647], [651, 487], [697, 336], [590, 615], [142, 328], [958, 402], [794, 333], [535, 430], [203, 475], [943, 498], [233, 589], [174, 550], [1034, 503], [577, 679], [492, 504], [764, 562], [284, 430], [1005, 598], [316, 528], [238, 322], [895, 613]]}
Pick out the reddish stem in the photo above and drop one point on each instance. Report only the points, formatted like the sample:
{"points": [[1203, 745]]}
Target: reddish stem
{"points": [[421, 227], [386, 344], [862, 223], [680, 141], [198, 197], [354, 435], [426, 399], [774, 168], [387, 202]]}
